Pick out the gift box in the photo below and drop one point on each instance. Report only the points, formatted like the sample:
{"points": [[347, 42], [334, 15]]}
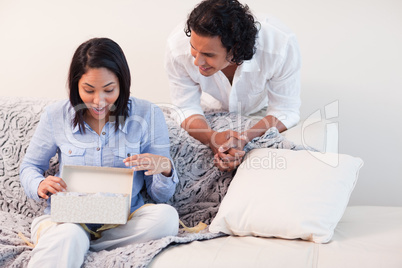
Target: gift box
{"points": [[94, 195]]}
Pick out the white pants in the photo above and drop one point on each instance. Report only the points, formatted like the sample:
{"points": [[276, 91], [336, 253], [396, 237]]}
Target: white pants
{"points": [[65, 244]]}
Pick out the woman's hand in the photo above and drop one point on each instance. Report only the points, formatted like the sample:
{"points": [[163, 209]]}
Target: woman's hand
{"points": [[51, 185], [153, 164]]}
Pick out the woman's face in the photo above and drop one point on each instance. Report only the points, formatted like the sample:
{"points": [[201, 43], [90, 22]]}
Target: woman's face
{"points": [[99, 89], [209, 54]]}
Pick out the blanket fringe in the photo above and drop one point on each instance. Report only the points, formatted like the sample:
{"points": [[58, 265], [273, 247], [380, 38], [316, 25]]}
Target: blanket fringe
{"points": [[42, 226], [26, 240], [196, 229]]}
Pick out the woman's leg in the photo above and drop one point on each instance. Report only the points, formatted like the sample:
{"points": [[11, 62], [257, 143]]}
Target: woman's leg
{"points": [[59, 245], [150, 222]]}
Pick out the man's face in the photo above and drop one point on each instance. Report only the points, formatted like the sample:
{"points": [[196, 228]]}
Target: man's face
{"points": [[209, 54]]}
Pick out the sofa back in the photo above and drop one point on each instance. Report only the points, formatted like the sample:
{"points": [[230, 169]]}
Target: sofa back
{"points": [[201, 186], [18, 120]]}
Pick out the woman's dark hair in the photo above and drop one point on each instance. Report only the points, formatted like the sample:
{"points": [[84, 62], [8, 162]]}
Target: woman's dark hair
{"points": [[229, 20], [99, 53]]}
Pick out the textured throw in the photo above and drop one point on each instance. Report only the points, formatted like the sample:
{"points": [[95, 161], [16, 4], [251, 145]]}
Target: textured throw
{"points": [[201, 187]]}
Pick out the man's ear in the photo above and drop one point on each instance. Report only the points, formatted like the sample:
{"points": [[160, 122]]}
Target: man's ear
{"points": [[229, 56]]}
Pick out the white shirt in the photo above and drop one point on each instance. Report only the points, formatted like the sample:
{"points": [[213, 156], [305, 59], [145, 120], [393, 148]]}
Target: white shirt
{"points": [[270, 79]]}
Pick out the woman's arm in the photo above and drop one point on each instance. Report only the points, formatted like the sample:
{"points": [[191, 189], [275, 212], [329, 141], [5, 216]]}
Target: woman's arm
{"points": [[36, 160], [154, 158]]}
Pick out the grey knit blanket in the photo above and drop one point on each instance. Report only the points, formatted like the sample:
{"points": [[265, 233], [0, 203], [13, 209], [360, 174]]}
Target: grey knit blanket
{"points": [[199, 192]]}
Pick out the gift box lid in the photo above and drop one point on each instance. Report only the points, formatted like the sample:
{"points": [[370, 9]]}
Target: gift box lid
{"points": [[89, 179]]}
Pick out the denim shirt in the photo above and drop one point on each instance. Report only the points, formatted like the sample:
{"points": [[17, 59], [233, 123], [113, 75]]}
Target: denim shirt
{"points": [[144, 131]]}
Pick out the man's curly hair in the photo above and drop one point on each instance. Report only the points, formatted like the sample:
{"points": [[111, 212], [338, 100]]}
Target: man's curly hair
{"points": [[231, 21]]}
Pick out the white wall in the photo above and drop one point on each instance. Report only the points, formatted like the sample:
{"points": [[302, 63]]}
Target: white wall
{"points": [[351, 55]]}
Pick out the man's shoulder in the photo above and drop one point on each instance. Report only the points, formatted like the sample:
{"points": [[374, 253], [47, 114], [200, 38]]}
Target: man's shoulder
{"points": [[273, 35], [273, 25], [178, 41]]}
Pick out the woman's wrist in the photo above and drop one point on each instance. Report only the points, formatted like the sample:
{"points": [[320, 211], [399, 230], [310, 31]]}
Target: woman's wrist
{"points": [[169, 170]]}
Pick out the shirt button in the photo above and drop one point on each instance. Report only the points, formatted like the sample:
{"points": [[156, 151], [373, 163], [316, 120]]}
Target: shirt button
{"points": [[98, 149], [103, 133], [69, 152]]}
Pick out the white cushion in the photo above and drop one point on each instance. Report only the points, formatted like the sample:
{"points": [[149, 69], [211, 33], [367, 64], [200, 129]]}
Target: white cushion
{"points": [[288, 194], [322, 135]]}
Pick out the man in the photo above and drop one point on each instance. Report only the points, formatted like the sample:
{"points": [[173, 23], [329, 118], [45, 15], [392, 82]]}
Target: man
{"points": [[248, 67]]}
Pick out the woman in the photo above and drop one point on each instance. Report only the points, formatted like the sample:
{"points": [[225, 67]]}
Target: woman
{"points": [[101, 125]]}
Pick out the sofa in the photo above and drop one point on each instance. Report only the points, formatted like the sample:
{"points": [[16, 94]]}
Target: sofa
{"points": [[295, 213]]}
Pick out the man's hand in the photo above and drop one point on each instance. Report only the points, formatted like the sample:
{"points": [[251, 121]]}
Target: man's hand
{"points": [[228, 161], [234, 140], [228, 148]]}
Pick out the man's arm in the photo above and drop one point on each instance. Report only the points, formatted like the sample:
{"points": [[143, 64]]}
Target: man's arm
{"points": [[196, 125], [239, 141], [228, 146], [262, 126]]}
